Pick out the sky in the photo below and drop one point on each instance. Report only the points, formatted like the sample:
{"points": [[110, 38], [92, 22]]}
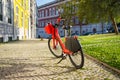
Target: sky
{"points": [[41, 2]]}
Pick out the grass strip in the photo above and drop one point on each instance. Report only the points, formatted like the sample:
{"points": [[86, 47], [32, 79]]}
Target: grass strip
{"points": [[104, 47]]}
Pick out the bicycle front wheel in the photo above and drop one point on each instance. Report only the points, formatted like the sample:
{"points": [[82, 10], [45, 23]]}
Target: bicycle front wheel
{"points": [[77, 59], [55, 49]]}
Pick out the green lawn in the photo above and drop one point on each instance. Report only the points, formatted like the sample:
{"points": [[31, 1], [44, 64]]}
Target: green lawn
{"points": [[104, 47]]}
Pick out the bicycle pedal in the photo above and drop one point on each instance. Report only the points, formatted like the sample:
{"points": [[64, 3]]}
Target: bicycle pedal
{"points": [[64, 57]]}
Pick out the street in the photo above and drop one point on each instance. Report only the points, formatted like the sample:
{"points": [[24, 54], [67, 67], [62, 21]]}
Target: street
{"points": [[32, 60]]}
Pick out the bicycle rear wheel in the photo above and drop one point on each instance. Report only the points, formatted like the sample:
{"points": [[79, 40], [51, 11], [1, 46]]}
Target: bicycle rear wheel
{"points": [[77, 59], [55, 50]]}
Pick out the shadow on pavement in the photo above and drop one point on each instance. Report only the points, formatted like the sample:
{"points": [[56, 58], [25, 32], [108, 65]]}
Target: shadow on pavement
{"points": [[10, 67]]}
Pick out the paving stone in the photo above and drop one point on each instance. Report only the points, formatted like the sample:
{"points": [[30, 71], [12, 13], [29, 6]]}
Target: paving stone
{"points": [[32, 60]]}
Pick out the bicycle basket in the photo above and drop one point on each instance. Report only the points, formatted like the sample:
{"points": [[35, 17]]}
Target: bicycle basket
{"points": [[72, 44]]}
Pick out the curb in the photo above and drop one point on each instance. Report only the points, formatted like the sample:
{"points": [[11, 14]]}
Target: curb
{"points": [[104, 64]]}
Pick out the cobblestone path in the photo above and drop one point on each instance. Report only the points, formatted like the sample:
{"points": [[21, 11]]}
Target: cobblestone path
{"points": [[31, 60]]}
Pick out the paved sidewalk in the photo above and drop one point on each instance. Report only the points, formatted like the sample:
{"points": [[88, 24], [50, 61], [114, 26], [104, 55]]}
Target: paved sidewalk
{"points": [[32, 60]]}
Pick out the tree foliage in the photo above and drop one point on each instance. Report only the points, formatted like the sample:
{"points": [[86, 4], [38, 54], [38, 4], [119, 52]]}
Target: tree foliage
{"points": [[67, 12], [99, 10], [94, 10]]}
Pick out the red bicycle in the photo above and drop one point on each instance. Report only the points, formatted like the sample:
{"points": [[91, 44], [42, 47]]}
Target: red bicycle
{"points": [[71, 48]]}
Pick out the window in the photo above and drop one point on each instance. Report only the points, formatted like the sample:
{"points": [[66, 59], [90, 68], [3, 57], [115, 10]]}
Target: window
{"points": [[76, 9], [46, 13], [1, 14], [40, 14], [8, 10], [57, 12], [43, 24], [22, 19], [27, 4], [28, 22], [53, 11], [17, 17], [40, 24], [17, 10], [76, 20], [22, 2], [53, 22], [43, 13], [50, 12]]}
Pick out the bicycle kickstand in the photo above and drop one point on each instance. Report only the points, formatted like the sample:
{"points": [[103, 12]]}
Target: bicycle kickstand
{"points": [[63, 57]]}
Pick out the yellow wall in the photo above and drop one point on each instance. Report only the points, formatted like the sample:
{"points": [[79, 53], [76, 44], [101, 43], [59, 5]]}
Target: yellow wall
{"points": [[21, 16]]}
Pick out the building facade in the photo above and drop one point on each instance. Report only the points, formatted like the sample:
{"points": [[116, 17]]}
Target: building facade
{"points": [[46, 13], [22, 19], [49, 13], [6, 20], [33, 18], [17, 19]]}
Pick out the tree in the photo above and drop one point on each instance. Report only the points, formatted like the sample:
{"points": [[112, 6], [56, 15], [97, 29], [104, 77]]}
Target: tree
{"points": [[67, 12], [94, 11]]}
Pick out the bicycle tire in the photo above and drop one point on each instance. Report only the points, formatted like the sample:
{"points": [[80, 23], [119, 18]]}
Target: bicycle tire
{"points": [[77, 58], [56, 52]]}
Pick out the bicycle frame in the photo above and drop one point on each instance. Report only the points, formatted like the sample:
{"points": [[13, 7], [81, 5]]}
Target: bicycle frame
{"points": [[76, 59], [56, 38]]}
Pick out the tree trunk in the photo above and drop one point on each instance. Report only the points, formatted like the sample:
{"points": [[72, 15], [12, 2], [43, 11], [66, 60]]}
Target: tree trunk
{"points": [[80, 28], [114, 25], [102, 27]]}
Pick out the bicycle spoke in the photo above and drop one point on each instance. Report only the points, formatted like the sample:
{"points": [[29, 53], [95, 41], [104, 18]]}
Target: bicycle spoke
{"points": [[55, 49], [77, 59]]}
